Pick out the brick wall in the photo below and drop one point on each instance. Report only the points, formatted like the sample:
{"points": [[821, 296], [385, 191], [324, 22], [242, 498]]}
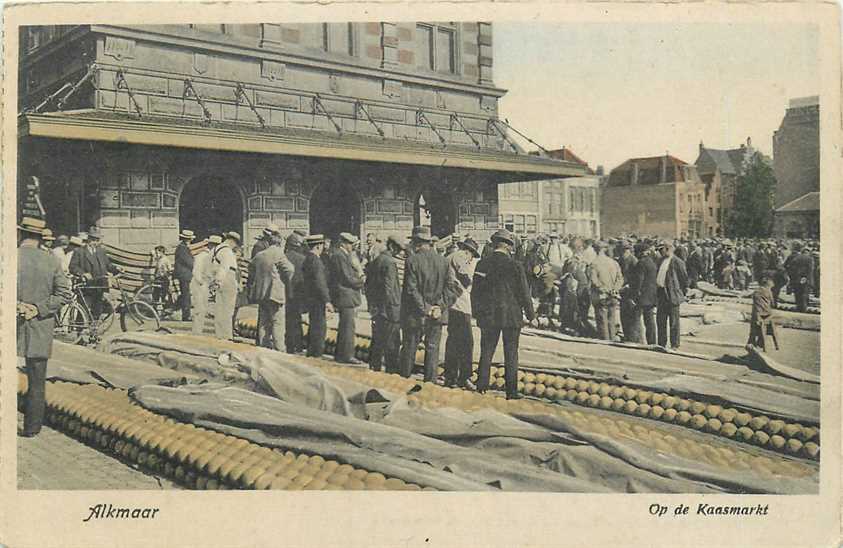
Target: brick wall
{"points": [[796, 154], [642, 209]]}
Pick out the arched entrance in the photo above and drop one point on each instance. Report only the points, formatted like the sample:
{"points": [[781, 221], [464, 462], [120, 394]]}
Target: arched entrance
{"points": [[335, 207], [436, 209], [210, 205]]}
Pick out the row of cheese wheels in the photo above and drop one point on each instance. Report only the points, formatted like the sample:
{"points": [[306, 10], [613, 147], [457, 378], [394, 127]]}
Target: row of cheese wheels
{"points": [[663, 438], [774, 434], [192, 456]]}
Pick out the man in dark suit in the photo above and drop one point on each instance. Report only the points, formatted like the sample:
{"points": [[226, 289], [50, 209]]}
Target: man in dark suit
{"points": [[426, 297], [800, 270], [671, 284], [273, 272], [265, 239], [316, 296], [346, 283], [294, 338], [91, 262], [500, 299], [183, 272], [383, 294], [695, 265], [42, 290], [642, 291]]}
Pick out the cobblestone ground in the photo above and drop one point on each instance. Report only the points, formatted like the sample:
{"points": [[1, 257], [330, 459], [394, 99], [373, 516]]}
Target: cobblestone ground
{"points": [[52, 460]]}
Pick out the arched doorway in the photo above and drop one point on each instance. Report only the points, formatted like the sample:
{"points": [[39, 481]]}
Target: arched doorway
{"points": [[335, 207], [210, 205], [436, 209]]}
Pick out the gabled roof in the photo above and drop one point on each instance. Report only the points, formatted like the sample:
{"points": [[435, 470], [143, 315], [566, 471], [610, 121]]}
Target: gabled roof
{"points": [[565, 154], [806, 202], [649, 171], [725, 160]]}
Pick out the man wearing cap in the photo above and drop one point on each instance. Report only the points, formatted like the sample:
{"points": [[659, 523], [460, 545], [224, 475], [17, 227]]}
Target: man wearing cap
{"points": [[316, 295], [383, 294], [500, 299], [183, 272], [293, 308], [41, 291], [459, 346], [642, 296], [227, 282], [200, 282], [606, 280], [425, 299], [671, 284], [92, 263], [272, 274], [346, 281]]}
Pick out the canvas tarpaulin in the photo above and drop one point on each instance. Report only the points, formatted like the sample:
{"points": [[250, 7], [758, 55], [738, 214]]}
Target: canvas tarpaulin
{"points": [[290, 402]]}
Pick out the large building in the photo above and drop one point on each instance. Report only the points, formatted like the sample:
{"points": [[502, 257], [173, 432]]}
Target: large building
{"points": [[358, 127], [796, 164], [719, 169], [659, 196], [568, 205]]}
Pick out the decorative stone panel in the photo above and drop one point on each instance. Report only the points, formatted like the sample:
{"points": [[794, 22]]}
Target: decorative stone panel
{"points": [[139, 199]]}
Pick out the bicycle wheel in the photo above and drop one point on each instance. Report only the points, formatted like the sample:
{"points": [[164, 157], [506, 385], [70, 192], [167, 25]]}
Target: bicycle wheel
{"points": [[71, 323], [139, 316], [146, 295], [107, 316]]}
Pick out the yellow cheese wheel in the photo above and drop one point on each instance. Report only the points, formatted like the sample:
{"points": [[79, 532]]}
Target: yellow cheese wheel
{"points": [[529, 378], [811, 450], [279, 483], [550, 393], [618, 404], [529, 388], [793, 446], [713, 411], [656, 412], [606, 402], [657, 399], [760, 437], [262, 482], [604, 389], [670, 415], [539, 390], [791, 430], [683, 417], [644, 396], [558, 382], [808, 433], [745, 433], [616, 392], [394, 484], [500, 382], [713, 425], [317, 484], [593, 400], [582, 397], [683, 405], [630, 406], [520, 375], [338, 479], [742, 419], [698, 421], [593, 387], [759, 422], [774, 426], [520, 386], [777, 442], [643, 410], [697, 408], [582, 385], [541, 378], [561, 395], [669, 402], [629, 393]]}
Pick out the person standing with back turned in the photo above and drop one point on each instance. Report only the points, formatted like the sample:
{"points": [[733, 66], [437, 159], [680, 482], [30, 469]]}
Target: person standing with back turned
{"points": [[42, 290], [500, 298]]}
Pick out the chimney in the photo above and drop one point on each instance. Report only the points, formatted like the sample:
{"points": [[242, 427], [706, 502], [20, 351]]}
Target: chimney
{"points": [[663, 178], [702, 147], [634, 173]]}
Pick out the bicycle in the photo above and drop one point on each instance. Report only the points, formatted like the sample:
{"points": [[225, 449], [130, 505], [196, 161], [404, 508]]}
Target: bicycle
{"points": [[166, 303], [76, 323]]}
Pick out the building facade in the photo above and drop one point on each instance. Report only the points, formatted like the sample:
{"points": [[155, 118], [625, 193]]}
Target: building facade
{"points": [[357, 127], [564, 205], [719, 170], [659, 196], [799, 218], [796, 151]]}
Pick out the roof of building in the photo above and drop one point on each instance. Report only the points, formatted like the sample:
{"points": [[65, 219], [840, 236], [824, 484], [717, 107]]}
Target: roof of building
{"points": [[807, 202], [565, 154], [226, 136], [649, 171]]}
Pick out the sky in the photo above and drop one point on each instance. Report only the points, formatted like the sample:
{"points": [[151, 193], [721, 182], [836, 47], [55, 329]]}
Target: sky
{"points": [[613, 91]]}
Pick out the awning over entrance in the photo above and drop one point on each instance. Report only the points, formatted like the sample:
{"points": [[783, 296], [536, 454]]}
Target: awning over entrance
{"points": [[170, 132]]}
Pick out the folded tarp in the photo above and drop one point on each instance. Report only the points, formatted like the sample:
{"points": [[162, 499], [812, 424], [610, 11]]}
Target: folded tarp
{"points": [[301, 408]]}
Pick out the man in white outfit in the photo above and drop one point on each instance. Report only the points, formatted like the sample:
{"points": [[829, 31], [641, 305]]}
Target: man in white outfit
{"points": [[228, 284], [203, 275]]}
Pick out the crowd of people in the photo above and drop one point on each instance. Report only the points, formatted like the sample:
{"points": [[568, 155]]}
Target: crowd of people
{"points": [[632, 287], [642, 281]]}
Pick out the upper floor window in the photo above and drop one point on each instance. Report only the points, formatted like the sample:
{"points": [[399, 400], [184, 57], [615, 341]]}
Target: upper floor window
{"points": [[338, 38], [436, 47]]}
